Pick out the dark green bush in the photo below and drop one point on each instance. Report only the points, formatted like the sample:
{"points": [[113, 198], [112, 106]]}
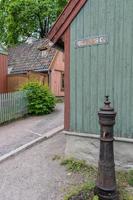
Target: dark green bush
{"points": [[40, 99]]}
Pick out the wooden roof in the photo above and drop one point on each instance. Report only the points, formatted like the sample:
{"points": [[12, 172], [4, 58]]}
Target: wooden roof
{"points": [[64, 20], [28, 57]]}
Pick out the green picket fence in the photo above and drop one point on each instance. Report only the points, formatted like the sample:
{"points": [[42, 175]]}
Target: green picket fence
{"points": [[12, 106]]}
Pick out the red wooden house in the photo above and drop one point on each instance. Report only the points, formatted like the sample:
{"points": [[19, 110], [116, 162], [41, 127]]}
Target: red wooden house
{"points": [[3, 69]]}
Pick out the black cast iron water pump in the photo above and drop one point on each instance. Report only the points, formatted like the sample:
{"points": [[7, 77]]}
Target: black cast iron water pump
{"points": [[106, 180]]}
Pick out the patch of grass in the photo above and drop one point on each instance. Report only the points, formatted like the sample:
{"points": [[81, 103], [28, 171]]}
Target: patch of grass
{"points": [[95, 198], [124, 179], [75, 165], [124, 195], [85, 190], [130, 178]]}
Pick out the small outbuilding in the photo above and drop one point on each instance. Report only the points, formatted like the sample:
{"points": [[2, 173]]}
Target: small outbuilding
{"points": [[3, 69], [96, 37], [36, 60]]}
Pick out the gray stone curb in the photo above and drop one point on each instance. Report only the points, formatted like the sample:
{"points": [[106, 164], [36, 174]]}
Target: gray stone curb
{"points": [[32, 143], [94, 136]]}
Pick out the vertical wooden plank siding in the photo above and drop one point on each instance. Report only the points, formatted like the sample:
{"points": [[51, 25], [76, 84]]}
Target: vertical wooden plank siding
{"points": [[67, 80], [107, 69], [73, 80], [15, 81], [12, 106], [79, 74], [57, 69], [3, 72]]}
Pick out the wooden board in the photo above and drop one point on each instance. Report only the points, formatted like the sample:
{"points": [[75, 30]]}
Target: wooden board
{"points": [[105, 69]]}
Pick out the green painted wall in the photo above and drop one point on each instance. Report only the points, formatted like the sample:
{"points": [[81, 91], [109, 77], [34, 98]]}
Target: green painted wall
{"points": [[105, 69]]}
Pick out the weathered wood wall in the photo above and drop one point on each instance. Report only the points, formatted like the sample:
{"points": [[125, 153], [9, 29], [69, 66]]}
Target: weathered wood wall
{"points": [[15, 81], [3, 72], [96, 71], [57, 69]]}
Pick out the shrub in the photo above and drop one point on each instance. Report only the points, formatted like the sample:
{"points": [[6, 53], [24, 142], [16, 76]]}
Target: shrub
{"points": [[40, 99]]}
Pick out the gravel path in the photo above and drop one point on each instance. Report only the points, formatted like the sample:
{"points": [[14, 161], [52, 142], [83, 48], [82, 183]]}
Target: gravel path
{"points": [[33, 175], [20, 132]]}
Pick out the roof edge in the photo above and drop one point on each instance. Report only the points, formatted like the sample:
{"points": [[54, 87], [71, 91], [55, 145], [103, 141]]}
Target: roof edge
{"points": [[4, 53], [65, 19], [60, 16]]}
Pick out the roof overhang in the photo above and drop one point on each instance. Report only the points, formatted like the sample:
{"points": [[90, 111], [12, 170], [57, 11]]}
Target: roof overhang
{"points": [[63, 22], [3, 50]]}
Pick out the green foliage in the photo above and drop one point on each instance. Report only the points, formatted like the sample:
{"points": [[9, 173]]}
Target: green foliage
{"points": [[40, 99], [85, 188], [95, 198], [124, 195], [124, 179], [130, 177], [61, 4], [75, 165], [23, 18]]}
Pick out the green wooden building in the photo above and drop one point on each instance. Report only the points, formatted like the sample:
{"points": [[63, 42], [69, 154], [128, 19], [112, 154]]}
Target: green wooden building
{"points": [[96, 36]]}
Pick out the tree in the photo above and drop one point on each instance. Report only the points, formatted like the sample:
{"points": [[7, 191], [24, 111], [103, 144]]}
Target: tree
{"points": [[61, 4], [20, 19]]}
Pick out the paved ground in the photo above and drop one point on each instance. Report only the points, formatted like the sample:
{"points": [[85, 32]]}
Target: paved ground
{"points": [[20, 132], [33, 175]]}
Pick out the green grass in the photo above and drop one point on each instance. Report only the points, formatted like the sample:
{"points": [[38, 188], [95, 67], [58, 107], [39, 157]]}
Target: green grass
{"points": [[124, 195], [84, 188], [74, 165], [130, 178], [124, 179]]}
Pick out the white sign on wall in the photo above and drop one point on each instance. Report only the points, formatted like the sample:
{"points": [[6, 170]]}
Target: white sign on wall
{"points": [[99, 40]]}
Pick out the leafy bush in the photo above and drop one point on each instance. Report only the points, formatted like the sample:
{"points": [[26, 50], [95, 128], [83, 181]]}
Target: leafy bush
{"points": [[40, 99]]}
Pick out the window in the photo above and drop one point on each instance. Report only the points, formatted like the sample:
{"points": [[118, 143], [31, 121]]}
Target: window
{"points": [[62, 81]]}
